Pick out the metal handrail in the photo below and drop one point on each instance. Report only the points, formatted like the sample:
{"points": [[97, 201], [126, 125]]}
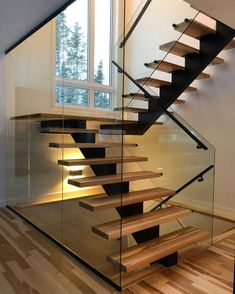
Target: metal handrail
{"points": [[198, 178], [127, 36], [200, 144]]}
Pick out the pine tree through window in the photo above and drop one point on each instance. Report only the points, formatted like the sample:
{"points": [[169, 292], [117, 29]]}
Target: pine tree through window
{"points": [[83, 55]]}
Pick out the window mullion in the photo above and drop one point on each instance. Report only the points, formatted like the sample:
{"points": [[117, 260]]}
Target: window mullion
{"points": [[91, 48]]}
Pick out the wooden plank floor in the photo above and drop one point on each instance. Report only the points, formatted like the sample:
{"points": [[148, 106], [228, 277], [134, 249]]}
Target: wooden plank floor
{"points": [[30, 264]]}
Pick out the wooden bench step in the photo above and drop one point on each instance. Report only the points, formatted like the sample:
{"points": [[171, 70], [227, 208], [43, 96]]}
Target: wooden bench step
{"points": [[90, 145], [193, 28], [99, 161], [103, 202], [131, 109], [115, 229], [52, 130], [151, 82], [112, 179], [142, 255]]}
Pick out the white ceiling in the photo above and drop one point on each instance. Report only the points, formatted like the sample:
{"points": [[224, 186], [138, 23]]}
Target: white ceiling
{"points": [[222, 10], [18, 17]]}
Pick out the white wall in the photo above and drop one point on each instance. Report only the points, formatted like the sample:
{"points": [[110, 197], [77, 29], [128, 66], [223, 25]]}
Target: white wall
{"points": [[212, 113], [2, 131]]}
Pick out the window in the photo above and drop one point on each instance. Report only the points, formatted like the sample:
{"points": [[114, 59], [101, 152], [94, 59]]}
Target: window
{"points": [[83, 55]]}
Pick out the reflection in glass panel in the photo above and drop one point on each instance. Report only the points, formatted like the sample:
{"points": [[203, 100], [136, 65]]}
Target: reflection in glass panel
{"points": [[102, 42], [71, 42], [102, 100], [71, 96]]}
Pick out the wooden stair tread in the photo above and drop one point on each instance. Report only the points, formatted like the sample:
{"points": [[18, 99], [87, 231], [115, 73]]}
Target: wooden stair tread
{"points": [[53, 130], [95, 203], [107, 129], [202, 76], [181, 49], [179, 101], [139, 96], [190, 89], [230, 45], [153, 82], [128, 225], [169, 67], [131, 109], [217, 60], [98, 161], [38, 117], [143, 254], [159, 83], [90, 145], [164, 66], [178, 48], [112, 179], [193, 28]]}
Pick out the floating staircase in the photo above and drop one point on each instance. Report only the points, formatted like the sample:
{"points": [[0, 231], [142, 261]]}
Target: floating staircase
{"points": [[211, 42], [143, 226], [133, 220]]}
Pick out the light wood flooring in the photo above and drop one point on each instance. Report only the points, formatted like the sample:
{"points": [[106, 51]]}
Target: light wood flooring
{"points": [[31, 264]]}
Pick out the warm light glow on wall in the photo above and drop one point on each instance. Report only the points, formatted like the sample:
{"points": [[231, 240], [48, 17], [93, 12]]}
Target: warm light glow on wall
{"points": [[75, 173]]}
